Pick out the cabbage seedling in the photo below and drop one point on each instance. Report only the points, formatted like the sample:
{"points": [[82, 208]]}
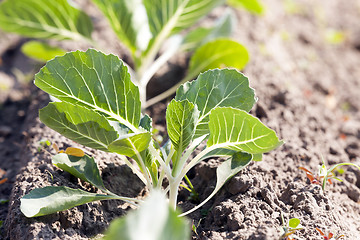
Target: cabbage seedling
{"points": [[152, 30], [99, 106]]}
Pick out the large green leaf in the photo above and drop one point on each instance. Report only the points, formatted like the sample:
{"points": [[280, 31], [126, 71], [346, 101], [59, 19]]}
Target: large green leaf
{"points": [[218, 53], [154, 220], [237, 130], [201, 35], [93, 80], [47, 200], [225, 171], [41, 51], [79, 124], [44, 19], [176, 15], [217, 88], [129, 21], [131, 144], [253, 6], [84, 168]]}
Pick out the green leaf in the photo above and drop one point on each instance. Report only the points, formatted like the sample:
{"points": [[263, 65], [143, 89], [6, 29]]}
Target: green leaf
{"points": [[79, 124], [131, 144], [225, 171], [153, 170], [93, 80], [194, 144], [253, 6], [257, 157], [217, 88], [231, 167], [218, 53], [45, 19], [129, 21], [84, 168], [154, 220], [47, 200], [146, 123], [237, 130], [222, 28], [41, 51], [181, 118], [294, 222], [176, 15]]}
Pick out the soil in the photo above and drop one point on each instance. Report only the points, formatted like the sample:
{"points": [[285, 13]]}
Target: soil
{"points": [[308, 89]]}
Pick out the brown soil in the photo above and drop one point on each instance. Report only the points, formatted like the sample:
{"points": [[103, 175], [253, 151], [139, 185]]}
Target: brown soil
{"points": [[308, 93]]}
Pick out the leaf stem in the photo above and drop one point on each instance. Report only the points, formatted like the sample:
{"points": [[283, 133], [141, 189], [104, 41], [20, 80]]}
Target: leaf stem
{"points": [[174, 187], [161, 161], [160, 38], [132, 167], [167, 161], [175, 42], [194, 161], [125, 199], [145, 171]]}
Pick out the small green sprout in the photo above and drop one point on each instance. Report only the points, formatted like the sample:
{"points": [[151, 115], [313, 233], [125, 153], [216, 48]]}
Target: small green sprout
{"points": [[193, 194], [290, 228], [195, 227], [42, 144], [325, 175]]}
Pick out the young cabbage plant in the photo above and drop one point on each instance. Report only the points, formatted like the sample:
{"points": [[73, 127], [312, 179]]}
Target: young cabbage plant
{"points": [[99, 106], [152, 30]]}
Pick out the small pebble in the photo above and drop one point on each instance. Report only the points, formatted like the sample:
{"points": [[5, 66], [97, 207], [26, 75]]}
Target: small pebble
{"points": [[5, 130]]}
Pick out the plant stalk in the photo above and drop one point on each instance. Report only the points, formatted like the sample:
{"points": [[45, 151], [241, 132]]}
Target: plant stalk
{"points": [[174, 187]]}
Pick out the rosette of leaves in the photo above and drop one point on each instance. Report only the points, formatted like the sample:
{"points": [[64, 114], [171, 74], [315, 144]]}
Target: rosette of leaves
{"points": [[99, 106], [152, 30]]}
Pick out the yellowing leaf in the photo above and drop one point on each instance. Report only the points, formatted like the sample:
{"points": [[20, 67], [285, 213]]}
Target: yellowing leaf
{"points": [[77, 152], [55, 146], [3, 180]]}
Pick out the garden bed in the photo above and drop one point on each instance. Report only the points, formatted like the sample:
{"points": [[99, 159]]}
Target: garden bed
{"points": [[308, 87]]}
